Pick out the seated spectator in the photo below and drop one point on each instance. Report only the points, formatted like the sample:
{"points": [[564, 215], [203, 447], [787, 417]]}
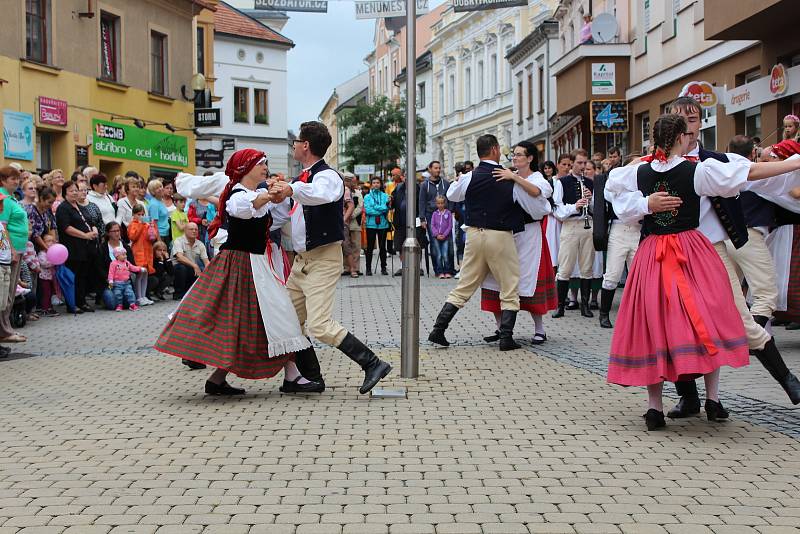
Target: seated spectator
{"points": [[191, 257], [142, 235], [47, 279], [178, 218], [119, 279], [160, 282]]}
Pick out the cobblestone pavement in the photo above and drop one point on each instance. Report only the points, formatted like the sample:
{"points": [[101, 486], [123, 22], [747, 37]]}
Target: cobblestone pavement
{"points": [[102, 434]]}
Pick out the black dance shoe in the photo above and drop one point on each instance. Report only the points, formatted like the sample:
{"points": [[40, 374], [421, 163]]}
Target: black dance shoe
{"points": [[494, 337], [222, 389], [686, 407], [538, 339], [193, 365], [572, 305], [605, 321], [86, 308], [654, 419], [295, 387], [715, 411]]}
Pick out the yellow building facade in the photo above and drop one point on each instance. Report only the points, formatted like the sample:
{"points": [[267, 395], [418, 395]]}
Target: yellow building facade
{"points": [[109, 88]]}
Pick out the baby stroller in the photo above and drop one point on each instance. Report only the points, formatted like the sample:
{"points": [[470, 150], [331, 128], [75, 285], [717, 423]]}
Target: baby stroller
{"points": [[19, 316]]}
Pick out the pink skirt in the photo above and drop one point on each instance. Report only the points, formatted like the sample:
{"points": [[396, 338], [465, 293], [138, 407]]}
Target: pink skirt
{"points": [[677, 319]]}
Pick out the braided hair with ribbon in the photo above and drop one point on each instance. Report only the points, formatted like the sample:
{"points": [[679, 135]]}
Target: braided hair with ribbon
{"points": [[665, 132], [241, 163]]}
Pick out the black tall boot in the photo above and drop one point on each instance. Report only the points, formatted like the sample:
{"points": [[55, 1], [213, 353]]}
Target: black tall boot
{"points": [[761, 320], [586, 291], [308, 365], [606, 300], [772, 361], [374, 368], [442, 322], [508, 319], [689, 403], [562, 288]]}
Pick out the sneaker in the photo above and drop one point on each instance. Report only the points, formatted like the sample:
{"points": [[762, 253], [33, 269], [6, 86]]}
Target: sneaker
{"points": [[119, 308], [133, 307]]}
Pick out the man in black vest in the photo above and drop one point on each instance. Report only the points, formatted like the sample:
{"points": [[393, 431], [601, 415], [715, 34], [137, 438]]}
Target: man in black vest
{"points": [[495, 210], [317, 234], [721, 219]]}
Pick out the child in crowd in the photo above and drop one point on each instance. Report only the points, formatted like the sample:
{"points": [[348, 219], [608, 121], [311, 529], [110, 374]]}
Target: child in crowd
{"points": [[47, 279], [162, 279], [25, 290], [142, 236], [119, 279], [441, 229], [178, 218]]}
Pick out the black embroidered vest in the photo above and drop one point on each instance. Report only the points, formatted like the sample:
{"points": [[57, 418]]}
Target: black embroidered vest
{"points": [[248, 235], [678, 182]]}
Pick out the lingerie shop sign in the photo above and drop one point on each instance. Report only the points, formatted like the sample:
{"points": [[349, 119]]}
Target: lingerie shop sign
{"points": [[129, 142], [780, 82]]}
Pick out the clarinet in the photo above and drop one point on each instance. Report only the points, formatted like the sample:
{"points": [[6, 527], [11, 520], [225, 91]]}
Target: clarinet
{"points": [[585, 210]]}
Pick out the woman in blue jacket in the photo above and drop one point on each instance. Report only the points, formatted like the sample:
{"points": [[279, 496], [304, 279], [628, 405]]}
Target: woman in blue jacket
{"points": [[376, 207]]}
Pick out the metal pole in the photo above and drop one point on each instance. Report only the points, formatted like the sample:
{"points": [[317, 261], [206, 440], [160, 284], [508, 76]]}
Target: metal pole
{"points": [[409, 337]]}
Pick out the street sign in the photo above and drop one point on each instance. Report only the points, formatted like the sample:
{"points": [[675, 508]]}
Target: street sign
{"points": [[307, 6], [609, 116], [204, 117], [208, 158], [459, 6], [81, 155], [229, 144], [364, 170], [378, 9]]}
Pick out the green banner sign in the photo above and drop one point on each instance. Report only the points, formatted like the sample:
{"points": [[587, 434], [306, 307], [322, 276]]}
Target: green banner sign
{"points": [[129, 142]]}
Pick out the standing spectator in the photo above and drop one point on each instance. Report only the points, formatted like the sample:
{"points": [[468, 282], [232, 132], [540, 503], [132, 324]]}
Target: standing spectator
{"points": [[56, 183], [791, 125], [158, 211], [98, 195], [178, 219], [586, 30], [142, 235], [114, 241], [94, 217], [348, 206], [441, 228], [119, 279], [6, 255], [28, 193], [354, 224], [376, 208], [166, 198], [41, 218], [17, 227], [78, 236], [433, 186], [47, 279], [191, 257], [25, 288], [597, 158], [162, 278], [125, 204]]}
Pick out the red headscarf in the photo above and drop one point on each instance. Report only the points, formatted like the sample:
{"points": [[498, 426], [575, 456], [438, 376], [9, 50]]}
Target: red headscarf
{"points": [[786, 148], [241, 162]]}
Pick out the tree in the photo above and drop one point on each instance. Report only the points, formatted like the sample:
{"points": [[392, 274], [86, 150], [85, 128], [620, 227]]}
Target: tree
{"points": [[378, 133]]}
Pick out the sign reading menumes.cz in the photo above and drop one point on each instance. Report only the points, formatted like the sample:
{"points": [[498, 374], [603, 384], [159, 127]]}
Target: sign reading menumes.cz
{"points": [[460, 6], [376, 9], [129, 142]]}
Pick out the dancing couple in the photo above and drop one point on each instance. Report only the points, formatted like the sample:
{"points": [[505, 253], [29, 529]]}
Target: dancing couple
{"points": [[243, 315]]}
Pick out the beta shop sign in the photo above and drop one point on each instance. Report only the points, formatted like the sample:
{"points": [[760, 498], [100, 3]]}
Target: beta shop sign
{"points": [[703, 92], [777, 80]]}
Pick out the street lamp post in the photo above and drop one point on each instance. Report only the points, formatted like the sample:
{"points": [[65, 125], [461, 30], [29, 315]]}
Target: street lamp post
{"points": [[409, 338]]}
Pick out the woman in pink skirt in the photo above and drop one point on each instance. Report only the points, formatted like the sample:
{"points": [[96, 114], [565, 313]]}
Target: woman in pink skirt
{"points": [[677, 318]]}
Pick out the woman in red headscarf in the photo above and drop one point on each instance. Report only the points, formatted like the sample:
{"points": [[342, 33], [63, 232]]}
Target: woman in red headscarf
{"points": [[238, 316]]}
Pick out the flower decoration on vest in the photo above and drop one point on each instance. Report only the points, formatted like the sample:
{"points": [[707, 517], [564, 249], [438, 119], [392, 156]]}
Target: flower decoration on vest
{"points": [[665, 218]]}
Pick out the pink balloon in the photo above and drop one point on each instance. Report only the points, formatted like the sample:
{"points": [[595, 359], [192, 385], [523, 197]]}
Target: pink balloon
{"points": [[57, 254]]}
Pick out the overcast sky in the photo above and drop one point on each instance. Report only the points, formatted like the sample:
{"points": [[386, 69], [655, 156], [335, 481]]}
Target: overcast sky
{"points": [[329, 49]]}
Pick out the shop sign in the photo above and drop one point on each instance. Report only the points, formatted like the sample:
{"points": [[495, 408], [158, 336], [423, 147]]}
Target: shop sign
{"points": [[204, 117], [781, 82], [229, 144], [17, 135], [81, 155], [307, 6], [208, 158], [604, 79], [460, 6], [609, 116], [129, 142], [52, 111], [703, 92], [364, 170], [378, 9]]}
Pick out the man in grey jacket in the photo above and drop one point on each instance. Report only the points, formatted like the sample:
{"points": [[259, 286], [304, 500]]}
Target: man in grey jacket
{"points": [[433, 186]]}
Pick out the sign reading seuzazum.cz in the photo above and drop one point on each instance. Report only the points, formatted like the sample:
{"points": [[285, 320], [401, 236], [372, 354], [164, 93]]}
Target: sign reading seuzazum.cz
{"points": [[129, 142], [460, 6]]}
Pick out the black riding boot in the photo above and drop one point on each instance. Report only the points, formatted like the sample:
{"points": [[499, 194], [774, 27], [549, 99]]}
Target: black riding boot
{"points": [[442, 322], [308, 365], [562, 287], [772, 361], [374, 368], [606, 300], [508, 319], [586, 291]]}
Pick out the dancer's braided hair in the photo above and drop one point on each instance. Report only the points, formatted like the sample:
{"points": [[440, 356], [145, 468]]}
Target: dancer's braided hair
{"points": [[666, 131]]}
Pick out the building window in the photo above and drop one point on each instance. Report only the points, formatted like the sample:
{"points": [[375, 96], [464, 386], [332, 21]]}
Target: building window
{"points": [[201, 50], [493, 65], [37, 33], [109, 47], [520, 113], [541, 89], [451, 104], [421, 95], [158, 63], [385, 79], [530, 94], [644, 121], [480, 81], [752, 122], [441, 99], [241, 100], [380, 81], [467, 87], [508, 68], [261, 106]]}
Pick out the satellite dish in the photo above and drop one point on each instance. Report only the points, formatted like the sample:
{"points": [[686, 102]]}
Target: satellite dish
{"points": [[604, 28]]}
